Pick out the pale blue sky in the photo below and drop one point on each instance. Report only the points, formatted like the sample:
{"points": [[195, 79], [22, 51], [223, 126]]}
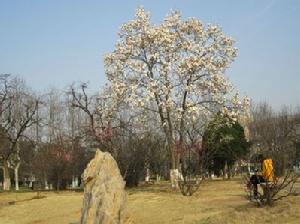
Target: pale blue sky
{"points": [[55, 42]]}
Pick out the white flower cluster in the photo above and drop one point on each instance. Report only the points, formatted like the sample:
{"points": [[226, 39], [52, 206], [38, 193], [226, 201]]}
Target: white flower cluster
{"points": [[175, 68]]}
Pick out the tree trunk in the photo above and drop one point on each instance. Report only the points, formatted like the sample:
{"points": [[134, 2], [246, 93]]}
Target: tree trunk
{"points": [[45, 181], [147, 177], [32, 179], [16, 170], [225, 171], [58, 182], [157, 177], [57, 185], [175, 176], [46, 186], [6, 177], [74, 181]]}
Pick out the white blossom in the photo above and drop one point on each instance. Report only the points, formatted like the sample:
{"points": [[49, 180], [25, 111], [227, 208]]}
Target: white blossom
{"points": [[175, 69]]}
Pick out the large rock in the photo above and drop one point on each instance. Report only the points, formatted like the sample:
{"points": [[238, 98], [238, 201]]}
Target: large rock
{"points": [[104, 194]]}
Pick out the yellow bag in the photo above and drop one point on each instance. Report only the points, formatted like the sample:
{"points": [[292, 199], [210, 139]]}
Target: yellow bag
{"points": [[267, 170]]}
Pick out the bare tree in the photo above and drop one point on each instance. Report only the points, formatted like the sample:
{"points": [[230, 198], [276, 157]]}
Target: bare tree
{"points": [[95, 108], [270, 192], [275, 134], [18, 108]]}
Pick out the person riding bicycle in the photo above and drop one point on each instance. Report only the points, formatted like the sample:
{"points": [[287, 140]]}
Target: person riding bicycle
{"points": [[265, 176]]}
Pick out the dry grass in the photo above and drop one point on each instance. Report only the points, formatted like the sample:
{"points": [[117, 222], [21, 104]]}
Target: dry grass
{"points": [[215, 202], [55, 208]]}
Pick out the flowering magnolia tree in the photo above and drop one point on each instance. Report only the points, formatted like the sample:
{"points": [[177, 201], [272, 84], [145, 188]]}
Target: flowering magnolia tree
{"points": [[174, 71]]}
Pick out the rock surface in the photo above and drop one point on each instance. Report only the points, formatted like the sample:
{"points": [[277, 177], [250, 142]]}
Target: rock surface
{"points": [[104, 195]]}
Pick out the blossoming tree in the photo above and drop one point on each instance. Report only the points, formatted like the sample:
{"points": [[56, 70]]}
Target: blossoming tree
{"points": [[173, 71]]}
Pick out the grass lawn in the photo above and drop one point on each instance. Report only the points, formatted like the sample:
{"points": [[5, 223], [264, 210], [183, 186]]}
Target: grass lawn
{"points": [[216, 202]]}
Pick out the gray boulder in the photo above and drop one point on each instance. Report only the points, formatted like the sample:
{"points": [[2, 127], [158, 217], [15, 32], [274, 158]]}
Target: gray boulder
{"points": [[104, 195]]}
